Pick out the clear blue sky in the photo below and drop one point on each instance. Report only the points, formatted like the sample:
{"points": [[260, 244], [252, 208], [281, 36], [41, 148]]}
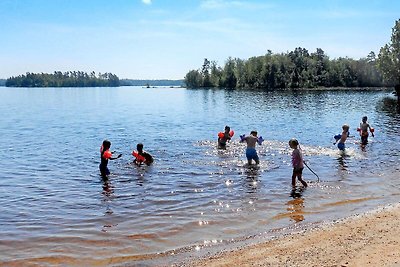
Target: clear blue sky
{"points": [[164, 39]]}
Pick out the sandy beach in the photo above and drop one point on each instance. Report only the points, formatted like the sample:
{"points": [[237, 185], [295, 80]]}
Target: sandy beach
{"points": [[371, 239]]}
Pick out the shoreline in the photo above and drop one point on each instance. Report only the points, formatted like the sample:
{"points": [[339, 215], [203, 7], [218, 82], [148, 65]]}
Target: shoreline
{"points": [[369, 239]]}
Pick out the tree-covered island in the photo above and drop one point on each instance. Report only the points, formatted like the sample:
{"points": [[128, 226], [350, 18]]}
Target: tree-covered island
{"points": [[301, 69], [64, 79], [294, 69]]}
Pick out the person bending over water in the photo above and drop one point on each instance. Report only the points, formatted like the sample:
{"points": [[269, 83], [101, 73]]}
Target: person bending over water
{"points": [[105, 155], [141, 156]]}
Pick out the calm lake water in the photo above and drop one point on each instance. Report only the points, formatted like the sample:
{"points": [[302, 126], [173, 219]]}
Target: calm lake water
{"points": [[56, 209]]}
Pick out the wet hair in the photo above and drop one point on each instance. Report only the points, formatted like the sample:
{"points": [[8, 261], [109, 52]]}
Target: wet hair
{"points": [[139, 147], [253, 132], [106, 144], [227, 128], [294, 142], [345, 126], [364, 119]]}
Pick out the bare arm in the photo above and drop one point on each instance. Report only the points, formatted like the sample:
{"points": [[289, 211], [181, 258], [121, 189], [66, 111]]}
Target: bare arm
{"points": [[371, 130], [117, 157]]}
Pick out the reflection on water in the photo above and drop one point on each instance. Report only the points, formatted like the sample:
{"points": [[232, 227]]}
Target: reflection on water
{"points": [[58, 210], [108, 189], [296, 205], [342, 160], [251, 183], [108, 193], [389, 106]]}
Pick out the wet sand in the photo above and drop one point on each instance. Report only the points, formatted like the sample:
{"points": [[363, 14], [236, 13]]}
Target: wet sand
{"points": [[371, 239]]}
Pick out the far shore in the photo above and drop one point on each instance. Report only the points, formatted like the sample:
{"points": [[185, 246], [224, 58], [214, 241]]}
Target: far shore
{"points": [[370, 239]]}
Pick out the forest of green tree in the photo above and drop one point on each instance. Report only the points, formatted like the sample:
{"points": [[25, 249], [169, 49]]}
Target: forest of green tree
{"points": [[301, 69], [66, 79], [295, 69]]}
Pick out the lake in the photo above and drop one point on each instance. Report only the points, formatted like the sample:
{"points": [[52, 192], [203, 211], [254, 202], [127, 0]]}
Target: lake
{"points": [[56, 209]]}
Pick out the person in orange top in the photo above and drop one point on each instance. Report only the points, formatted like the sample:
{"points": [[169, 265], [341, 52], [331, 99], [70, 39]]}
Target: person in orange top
{"points": [[224, 137], [142, 156], [105, 155]]}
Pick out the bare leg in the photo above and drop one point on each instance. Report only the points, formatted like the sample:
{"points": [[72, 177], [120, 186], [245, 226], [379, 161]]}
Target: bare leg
{"points": [[302, 181], [294, 180]]}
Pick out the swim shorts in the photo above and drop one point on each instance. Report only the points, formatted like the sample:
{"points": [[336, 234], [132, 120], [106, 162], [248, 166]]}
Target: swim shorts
{"points": [[364, 138], [341, 146], [221, 145], [104, 170], [298, 171], [251, 153]]}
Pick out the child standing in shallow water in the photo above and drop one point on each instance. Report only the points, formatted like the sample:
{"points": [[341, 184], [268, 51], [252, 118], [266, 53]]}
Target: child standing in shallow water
{"points": [[364, 127], [297, 163], [342, 137], [224, 137], [251, 140], [105, 155]]}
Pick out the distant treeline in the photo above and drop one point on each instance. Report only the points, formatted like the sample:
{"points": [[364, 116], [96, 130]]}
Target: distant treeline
{"points": [[295, 69], [64, 79], [2, 82], [129, 82]]}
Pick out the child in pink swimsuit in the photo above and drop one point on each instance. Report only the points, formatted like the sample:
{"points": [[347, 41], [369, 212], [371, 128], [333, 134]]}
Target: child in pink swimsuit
{"points": [[297, 163]]}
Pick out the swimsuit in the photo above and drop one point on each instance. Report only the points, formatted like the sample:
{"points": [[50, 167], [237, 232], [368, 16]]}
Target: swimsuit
{"points": [[364, 138], [298, 170], [223, 138], [105, 155], [251, 153], [341, 146], [104, 170]]}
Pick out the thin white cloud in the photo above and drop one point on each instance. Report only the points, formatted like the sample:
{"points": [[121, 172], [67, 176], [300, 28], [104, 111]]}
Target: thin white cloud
{"points": [[146, 2]]}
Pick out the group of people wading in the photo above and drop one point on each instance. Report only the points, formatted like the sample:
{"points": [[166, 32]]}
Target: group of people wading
{"points": [[143, 157]]}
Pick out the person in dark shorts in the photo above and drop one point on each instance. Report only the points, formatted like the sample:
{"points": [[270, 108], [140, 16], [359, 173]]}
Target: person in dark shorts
{"points": [[105, 155], [297, 163]]}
